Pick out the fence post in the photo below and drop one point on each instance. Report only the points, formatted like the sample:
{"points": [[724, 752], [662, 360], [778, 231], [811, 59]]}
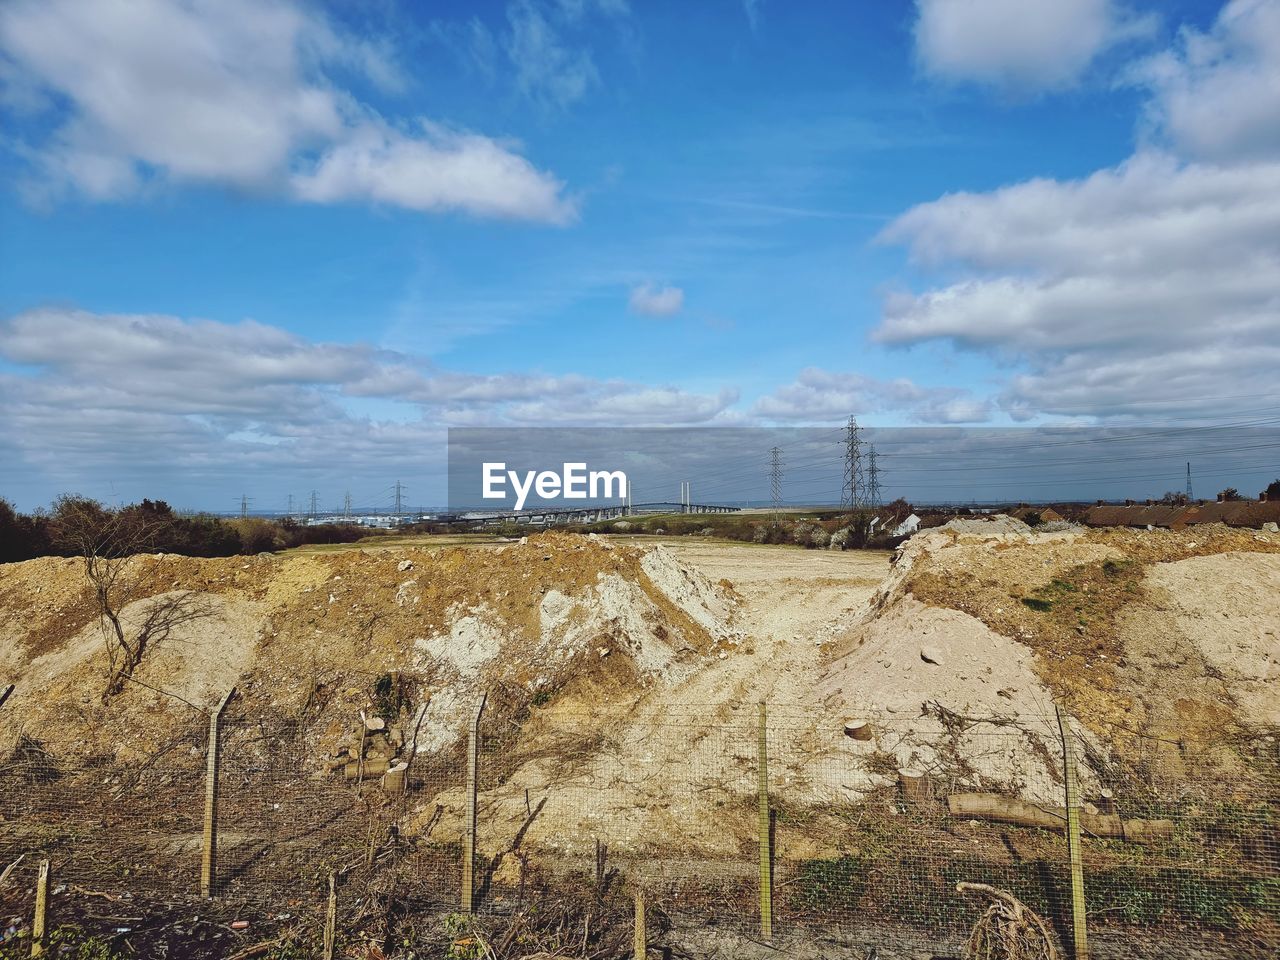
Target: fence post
{"points": [[642, 931], [4, 693], [38, 922], [766, 859], [1079, 933], [209, 856], [469, 837], [331, 918]]}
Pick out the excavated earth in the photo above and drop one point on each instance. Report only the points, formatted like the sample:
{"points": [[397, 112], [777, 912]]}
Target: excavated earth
{"points": [[622, 677]]}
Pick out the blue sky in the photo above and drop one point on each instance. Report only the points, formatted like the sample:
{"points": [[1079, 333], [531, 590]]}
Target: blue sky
{"points": [[268, 247]]}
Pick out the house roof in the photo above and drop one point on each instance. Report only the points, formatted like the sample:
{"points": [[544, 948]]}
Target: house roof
{"points": [[1234, 513], [1046, 514]]}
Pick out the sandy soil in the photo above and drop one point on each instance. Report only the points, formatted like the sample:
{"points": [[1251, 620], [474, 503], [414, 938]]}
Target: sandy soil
{"points": [[624, 674]]}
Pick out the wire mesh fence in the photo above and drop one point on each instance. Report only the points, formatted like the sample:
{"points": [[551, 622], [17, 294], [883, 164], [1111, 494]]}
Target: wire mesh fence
{"points": [[856, 838]]}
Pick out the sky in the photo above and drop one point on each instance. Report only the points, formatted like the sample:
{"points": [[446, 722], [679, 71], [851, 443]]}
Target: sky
{"points": [[259, 247]]}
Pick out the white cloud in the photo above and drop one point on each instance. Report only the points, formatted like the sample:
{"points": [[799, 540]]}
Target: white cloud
{"points": [[1152, 279], [438, 169], [651, 300], [1023, 46], [238, 94], [619, 404], [1151, 287], [819, 395], [547, 70], [550, 69], [149, 392], [1216, 95]]}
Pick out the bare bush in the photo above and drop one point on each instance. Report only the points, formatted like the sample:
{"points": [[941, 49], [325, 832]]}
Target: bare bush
{"points": [[104, 540]]}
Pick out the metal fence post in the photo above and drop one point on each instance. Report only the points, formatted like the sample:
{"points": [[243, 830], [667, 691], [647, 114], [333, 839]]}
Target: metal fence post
{"points": [[209, 857], [469, 836], [38, 922], [1079, 933], [766, 860], [4, 693]]}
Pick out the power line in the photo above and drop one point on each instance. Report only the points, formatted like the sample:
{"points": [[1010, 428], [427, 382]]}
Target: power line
{"points": [[854, 492], [873, 479], [775, 483]]}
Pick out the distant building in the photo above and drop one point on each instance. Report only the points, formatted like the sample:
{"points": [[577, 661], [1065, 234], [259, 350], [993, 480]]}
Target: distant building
{"points": [[907, 527], [1046, 514], [1233, 513]]}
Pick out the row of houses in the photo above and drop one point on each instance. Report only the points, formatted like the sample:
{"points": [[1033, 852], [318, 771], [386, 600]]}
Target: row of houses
{"points": [[1257, 514], [1263, 513]]}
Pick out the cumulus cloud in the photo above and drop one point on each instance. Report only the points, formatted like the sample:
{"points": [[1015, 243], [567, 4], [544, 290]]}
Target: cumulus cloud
{"points": [[433, 169], [1020, 45], [1152, 279], [1152, 286], [239, 94], [1216, 94], [653, 300], [91, 391], [1169, 289], [819, 395]]}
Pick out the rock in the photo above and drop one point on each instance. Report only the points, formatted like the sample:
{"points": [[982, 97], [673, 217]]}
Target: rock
{"points": [[404, 565], [931, 655]]}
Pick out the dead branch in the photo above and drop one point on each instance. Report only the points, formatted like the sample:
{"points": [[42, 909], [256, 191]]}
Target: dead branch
{"points": [[4, 875], [1007, 930]]}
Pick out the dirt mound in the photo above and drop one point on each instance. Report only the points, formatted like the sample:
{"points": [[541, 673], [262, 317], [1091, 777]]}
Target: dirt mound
{"points": [[1158, 641], [1226, 604], [1167, 634], [306, 637], [622, 682]]}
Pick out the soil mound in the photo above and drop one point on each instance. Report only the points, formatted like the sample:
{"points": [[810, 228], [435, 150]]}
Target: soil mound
{"points": [[1165, 637], [306, 638]]}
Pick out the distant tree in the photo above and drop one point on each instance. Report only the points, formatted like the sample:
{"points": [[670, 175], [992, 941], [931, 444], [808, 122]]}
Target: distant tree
{"points": [[22, 536], [900, 509], [1231, 493], [1273, 490], [1174, 498]]}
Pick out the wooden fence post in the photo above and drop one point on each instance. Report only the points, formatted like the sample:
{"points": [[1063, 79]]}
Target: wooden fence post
{"points": [[1079, 933], [766, 853], [40, 921], [641, 942], [331, 918], [469, 836], [209, 857]]}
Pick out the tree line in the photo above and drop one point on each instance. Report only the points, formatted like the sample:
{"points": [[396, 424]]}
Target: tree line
{"points": [[151, 526]]}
